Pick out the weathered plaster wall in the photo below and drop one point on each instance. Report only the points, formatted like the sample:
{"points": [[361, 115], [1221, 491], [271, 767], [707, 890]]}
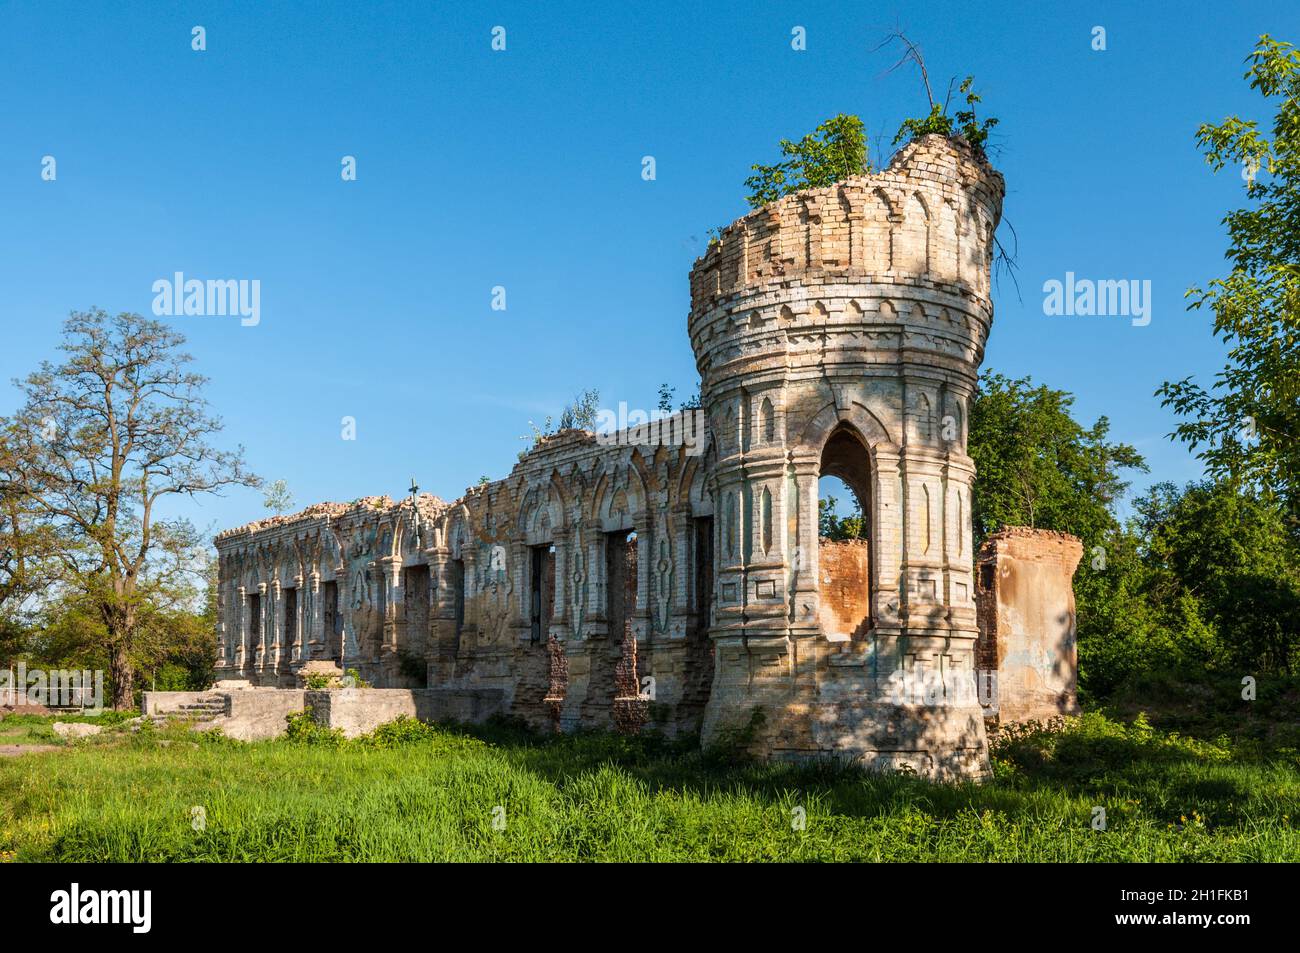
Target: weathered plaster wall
{"points": [[1027, 622], [358, 711], [251, 714]]}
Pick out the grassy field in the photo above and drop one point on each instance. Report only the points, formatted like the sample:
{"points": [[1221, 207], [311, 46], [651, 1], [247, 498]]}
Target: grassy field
{"points": [[413, 792]]}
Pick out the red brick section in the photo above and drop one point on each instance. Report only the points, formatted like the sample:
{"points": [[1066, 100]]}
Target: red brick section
{"points": [[1024, 600], [630, 709], [557, 679], [845, 586]]}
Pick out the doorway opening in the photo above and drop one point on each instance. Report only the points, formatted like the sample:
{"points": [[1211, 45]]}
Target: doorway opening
{"points": [[290, 628], [254, 627], [333, 622], [845, 533], [620, 581], [415, 587], [543, 591]]}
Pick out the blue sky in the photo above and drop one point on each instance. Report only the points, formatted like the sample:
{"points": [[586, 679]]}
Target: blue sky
{"points": [[522, 169]]}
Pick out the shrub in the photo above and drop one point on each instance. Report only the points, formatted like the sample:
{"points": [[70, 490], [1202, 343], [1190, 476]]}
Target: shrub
{"points": [[964, 123], [404, 730], [834, 151], [302, 729]]}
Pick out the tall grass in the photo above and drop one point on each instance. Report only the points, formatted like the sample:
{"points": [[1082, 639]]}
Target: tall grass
{"points": [[415, 793]]}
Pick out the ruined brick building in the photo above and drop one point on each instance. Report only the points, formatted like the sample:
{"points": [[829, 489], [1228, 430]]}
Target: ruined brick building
{"points": [[837, 331]]}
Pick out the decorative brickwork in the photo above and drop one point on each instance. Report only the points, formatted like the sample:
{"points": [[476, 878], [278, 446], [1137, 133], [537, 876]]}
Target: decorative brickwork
{"points": [[837, 331], [558, 680], [630, 708]]}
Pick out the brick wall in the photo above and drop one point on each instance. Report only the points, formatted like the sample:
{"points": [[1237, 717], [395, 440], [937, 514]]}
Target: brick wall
{"points": [[845, 587]]}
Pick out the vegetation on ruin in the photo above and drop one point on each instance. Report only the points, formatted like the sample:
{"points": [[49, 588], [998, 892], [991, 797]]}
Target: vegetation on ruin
{"points": [[1213, 789], [579, 414], [277, 497], [834, 151], [962, 123], [837, 149]]}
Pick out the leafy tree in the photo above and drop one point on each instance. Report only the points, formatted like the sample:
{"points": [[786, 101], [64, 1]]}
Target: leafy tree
{"points": [[1232, 553], [128, 429], [278, 498], [1246, 426], [27, 542], [831, 526], [1035, 465], [834, 151]]}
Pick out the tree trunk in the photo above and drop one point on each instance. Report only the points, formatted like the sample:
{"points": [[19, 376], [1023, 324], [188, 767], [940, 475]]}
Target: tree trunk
{"points": [[122, 676]]}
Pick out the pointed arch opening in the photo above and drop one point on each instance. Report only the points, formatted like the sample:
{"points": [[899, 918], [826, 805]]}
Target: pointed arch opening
{"points": [[845, 533]]}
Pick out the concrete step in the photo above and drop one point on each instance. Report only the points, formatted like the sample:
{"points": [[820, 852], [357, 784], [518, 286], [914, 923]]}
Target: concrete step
{"points": [[162, 718]]}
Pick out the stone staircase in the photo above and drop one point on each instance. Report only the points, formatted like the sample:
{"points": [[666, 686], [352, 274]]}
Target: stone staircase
{"points": [[202, 710]]}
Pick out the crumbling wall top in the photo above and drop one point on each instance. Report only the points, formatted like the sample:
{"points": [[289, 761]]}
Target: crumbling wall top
{"points": [[428, 505], [933, 166]]}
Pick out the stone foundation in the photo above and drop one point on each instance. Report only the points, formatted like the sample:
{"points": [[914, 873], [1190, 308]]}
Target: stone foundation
{"points": [[260, 713], [359, 711], [249, 714]]}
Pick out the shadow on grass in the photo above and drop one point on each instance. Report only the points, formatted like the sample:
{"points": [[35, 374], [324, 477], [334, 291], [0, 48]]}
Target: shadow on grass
{"points": [[1091, 760]]}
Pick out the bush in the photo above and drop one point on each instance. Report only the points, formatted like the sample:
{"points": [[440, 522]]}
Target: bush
{"points": [[404, 730], [964, 123], [303, 730]]}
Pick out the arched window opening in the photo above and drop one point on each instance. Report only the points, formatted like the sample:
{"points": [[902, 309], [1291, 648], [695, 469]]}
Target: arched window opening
{"points": [[845, 532], [767, 421]]}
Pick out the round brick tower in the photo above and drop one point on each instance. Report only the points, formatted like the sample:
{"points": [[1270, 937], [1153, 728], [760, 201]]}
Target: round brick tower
{"points": [[839, 332]]}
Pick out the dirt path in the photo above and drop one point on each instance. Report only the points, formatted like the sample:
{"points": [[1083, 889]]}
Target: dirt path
{"points": [[12, 751]]}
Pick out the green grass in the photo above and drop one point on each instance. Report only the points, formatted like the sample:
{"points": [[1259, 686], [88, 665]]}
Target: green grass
{"points": [[39, 729], [418, 793]]}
